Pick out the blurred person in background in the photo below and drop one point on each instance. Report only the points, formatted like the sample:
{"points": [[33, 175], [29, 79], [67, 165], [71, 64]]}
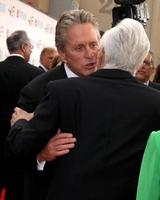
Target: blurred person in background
{"points": [[46, 58], [146, 70], [15, 73], [157, 74]]}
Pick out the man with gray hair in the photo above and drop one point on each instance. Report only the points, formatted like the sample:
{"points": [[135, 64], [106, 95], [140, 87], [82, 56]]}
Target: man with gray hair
{"points": [[77, 41], [110, 114], [15, 73]]}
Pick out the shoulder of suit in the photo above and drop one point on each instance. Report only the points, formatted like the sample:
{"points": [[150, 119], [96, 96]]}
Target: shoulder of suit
{"points": [[43, 79], [56, 73], [154, 85], [34, 68]]}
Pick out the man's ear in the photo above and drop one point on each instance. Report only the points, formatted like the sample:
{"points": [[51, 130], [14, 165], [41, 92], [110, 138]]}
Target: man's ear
{"points": [[100, 58], [23, 46]]}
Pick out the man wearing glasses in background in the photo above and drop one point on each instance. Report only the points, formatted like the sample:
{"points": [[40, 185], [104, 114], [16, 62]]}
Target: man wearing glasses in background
{"points": [[15, 73], [145, 72]]}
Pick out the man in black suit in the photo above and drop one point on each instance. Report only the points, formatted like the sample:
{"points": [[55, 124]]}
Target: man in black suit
{"points": [[73, 65], [78, 63], [15, 73], [144, 73], [109, 112], [30, 96]]}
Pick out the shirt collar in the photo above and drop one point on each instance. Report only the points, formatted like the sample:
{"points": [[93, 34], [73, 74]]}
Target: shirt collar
{"points": [[15, 54], [146, 83], [69, 73], [42, 66]]}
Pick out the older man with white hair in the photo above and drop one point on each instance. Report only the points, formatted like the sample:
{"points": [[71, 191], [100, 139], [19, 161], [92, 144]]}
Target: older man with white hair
{"points": [[110, 114]]}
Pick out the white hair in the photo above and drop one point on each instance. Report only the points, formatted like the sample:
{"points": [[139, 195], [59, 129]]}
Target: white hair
{"points": [[125, 45]]}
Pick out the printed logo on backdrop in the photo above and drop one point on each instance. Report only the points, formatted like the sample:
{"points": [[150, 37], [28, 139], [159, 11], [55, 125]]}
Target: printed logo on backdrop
{"points": [[16, 15], [2, 7]]}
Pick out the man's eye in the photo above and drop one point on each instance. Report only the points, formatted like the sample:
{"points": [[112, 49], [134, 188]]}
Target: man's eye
{"points": [[147, 63], [94, 45], [78, 48]]}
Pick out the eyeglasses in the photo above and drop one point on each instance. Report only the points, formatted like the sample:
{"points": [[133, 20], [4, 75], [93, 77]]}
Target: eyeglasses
{"points": [[29, 45]]}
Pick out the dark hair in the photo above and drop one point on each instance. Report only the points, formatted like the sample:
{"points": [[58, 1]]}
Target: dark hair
{"points": [[157, 74], [55, 62]]}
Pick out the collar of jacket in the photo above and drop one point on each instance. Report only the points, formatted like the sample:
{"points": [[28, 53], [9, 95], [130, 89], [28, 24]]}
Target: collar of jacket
{"points": [[113, 73]]}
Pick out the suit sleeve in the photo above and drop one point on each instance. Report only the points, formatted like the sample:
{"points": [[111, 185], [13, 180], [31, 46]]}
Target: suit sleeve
{"points": [[26, 139], [31, 95]]}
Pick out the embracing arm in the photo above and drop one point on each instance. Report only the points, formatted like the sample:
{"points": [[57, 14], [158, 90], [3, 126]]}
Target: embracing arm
{"points": [[59, 145], [37, 137], [27, 138]]}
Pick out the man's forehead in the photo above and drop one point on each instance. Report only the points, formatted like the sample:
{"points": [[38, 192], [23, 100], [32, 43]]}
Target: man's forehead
{"points": [[81, 28]]}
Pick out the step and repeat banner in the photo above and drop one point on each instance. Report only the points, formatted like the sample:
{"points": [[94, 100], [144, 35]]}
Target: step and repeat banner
{"points": [[16, 15]]}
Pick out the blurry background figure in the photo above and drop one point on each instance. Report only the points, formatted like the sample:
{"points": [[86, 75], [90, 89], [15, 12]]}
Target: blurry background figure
{"points": [[157, 74], [15, 73], [145, 72], [46, 58]]}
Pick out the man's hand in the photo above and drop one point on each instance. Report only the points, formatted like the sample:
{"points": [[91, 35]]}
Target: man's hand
{"points": [[20, 114], [59, 145]]}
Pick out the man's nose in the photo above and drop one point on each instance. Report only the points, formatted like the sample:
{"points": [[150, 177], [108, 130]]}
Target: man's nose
{"points": [[89, 52]]}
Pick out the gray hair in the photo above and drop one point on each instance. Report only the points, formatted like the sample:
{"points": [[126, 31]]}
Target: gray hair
{"points": [[125, 45], [15, 40], [67, 20]]}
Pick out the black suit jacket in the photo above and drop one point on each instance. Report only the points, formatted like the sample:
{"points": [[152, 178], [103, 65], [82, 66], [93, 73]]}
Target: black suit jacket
{"points": [[32, 93], [111, 115], [15, 73], [30, 97]]}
